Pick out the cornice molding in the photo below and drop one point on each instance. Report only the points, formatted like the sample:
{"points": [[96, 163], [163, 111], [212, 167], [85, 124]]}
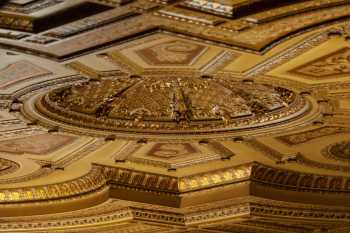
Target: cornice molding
{"points": [[102, 176]]}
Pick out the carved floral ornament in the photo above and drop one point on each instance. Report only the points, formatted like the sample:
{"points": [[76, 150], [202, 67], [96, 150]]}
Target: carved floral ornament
{"points": [[171, 105]]}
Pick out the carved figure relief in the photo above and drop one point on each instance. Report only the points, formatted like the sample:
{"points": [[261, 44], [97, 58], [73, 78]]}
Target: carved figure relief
{"points": [[331, 65], [171, 150], [306, 136], [37, 144], [19, 71], [176, 52]]}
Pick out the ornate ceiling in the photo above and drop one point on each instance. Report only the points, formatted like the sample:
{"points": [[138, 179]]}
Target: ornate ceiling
{"points": [[183, 116]]}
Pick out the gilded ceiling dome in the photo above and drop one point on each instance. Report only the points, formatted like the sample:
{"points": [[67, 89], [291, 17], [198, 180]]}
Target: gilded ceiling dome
{"points": [[166, 105]]}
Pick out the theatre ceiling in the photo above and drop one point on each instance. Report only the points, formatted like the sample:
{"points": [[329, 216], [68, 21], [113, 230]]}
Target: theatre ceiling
{"points": [[175, 116]]}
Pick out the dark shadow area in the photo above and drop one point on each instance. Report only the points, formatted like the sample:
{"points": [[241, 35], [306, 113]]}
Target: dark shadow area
{"points": [[69, 15], [258, 6], [248, 8], [3, 2]]}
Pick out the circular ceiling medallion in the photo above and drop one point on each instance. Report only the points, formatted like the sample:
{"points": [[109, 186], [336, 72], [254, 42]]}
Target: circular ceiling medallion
{"points": [[171, 105]]}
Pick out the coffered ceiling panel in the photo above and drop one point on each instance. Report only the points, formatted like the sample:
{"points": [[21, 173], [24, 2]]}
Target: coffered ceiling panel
{"points": [[183, 116]]}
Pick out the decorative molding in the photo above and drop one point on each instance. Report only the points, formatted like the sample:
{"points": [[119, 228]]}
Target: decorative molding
{"points": [[92, 181]]}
